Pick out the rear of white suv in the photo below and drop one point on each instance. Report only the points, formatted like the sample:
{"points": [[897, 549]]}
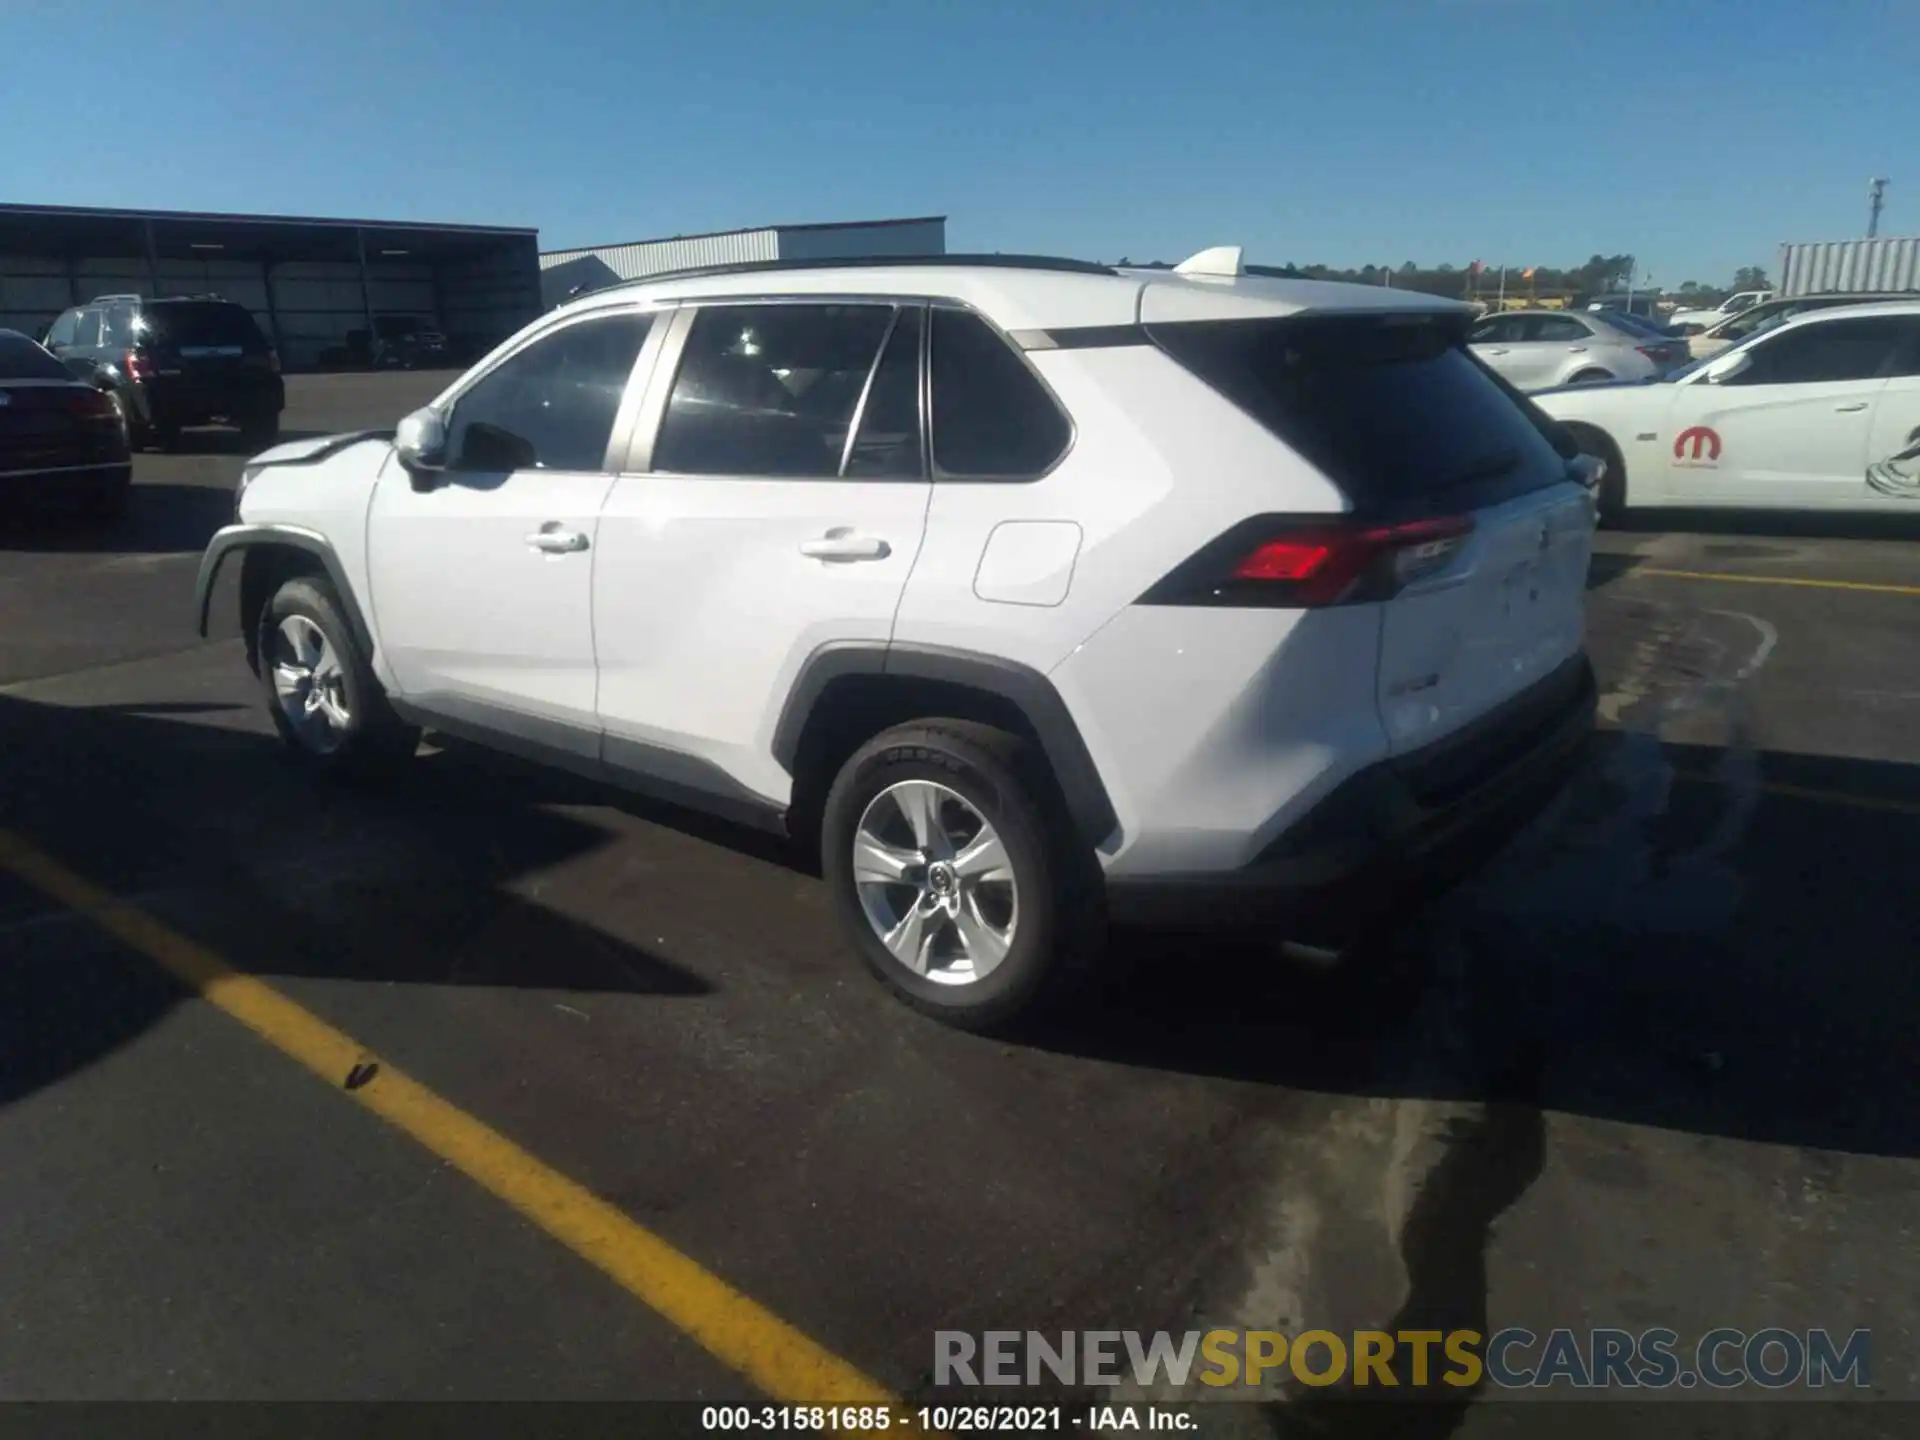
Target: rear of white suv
{"points": [[1033, 591]]}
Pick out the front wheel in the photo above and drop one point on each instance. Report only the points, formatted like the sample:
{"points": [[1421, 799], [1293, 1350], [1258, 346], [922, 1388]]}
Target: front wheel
{"points": [[958, 876], [1591, 377], [322, 694]]}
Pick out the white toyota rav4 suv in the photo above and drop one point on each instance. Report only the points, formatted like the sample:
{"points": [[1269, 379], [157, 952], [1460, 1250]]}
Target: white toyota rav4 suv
{"points": [[1035, 592]]}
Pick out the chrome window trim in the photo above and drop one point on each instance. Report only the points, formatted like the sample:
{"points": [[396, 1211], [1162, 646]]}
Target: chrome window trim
{"points": [[866, 389], [653, 409]]}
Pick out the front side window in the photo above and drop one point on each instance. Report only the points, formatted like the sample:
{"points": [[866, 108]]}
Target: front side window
{"points": [[1754, 321], [87, 332], [64, 329], [550, 405], [1830, 353], [992, 418], [770, 390]]}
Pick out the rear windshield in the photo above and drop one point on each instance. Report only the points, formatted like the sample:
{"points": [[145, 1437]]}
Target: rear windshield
{"points": [[21, 359], [1392, 411], [200, 322]]}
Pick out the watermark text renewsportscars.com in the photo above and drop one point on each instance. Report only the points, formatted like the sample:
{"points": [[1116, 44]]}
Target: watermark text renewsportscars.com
{"points": [[1773, 1358]]}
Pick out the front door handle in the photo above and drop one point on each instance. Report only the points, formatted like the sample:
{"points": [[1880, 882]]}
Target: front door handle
{"points": [[1850, 407], [553, 539], [1576, 349], [844, 545]]}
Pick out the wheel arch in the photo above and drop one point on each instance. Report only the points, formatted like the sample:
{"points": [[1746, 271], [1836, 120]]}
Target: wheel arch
{"points": [[1608, 449], [846, 693], [270, 555]]}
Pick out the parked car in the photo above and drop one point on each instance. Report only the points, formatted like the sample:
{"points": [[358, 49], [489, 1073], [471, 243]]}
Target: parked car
{"points": [[1819, 412], [407, 342], [1538, 349], [1774, 312], [1646, 306], [175, 361], [1034, 593], [1667, 350], [1733, 305], [63, 442]]}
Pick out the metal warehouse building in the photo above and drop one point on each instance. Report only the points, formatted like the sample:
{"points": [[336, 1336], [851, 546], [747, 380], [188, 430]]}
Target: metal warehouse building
{"points": [[1841, 267], [312, 284], [565, 272]]}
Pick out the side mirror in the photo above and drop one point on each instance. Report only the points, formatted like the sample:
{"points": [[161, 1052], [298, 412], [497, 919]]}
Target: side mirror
{"points": [[420, 442], [1589, 470], [1726, 368]]}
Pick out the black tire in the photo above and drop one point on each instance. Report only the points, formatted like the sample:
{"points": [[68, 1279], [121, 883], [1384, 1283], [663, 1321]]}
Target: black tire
{"points": [[258, 432], [1612, 499], [1060, 927], [1591, 377], [374, 741], [164, 436], [106, 506]]}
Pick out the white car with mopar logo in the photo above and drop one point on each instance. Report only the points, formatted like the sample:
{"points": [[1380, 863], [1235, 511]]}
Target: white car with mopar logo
{"points": [[1820, 413]]}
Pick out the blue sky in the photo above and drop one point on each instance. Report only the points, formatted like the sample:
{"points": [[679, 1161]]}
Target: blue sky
{"points": [[1696, 136]]}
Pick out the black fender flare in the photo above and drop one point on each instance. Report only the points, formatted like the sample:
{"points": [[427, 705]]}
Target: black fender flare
{"points": [[1026, 689], [240, 538]]}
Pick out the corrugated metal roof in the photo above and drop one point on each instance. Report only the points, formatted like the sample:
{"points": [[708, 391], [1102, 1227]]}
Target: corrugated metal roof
{"points": [[576, 250], [89, 212], [651, 257], [1845, 267]]}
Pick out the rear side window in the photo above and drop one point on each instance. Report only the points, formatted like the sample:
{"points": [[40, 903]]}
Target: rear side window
{"points": [[992, 418], [21, 359], [1392, 411], [200, 322]]}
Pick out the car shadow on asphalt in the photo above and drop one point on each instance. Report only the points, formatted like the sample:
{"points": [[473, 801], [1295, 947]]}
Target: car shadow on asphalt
{"points": [[209, 827], [1698, 942], [1781, 524]]}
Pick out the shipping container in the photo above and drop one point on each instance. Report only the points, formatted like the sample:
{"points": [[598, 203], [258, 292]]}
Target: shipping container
{"points": [[1849, 267]]}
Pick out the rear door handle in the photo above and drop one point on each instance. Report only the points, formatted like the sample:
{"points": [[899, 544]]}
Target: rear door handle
{"points": [[552, 539], [1850, 407], [1576, 349], [844, 545]]}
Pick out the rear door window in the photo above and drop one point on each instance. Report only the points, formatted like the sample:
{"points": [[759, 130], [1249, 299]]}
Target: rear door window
{"points": [[1393, 411], [200, 322], [64, 329], [1557, 329], [770, 390]]}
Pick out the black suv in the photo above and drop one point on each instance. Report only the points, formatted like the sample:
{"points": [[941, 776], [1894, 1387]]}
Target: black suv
{"points": [[173, 361]]}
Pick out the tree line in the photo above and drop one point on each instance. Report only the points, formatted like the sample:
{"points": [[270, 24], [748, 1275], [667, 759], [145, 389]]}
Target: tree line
{"points": [[1602, 274]]}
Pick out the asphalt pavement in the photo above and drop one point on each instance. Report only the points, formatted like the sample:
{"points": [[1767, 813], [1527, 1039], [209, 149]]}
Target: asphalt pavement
{"points": [[1652, 1066]]}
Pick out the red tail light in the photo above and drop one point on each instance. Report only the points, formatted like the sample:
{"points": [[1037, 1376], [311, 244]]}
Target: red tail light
{"points": [[1306, 564], [91, 405], [138, 366]]}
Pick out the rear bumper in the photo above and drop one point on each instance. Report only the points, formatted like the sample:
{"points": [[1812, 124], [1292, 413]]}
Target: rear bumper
{"points": [[61, 484], [1394, 833], [171, 400]]}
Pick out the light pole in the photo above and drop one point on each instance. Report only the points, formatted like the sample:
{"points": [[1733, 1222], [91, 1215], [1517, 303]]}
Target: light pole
{"points": [[1876, 197]]}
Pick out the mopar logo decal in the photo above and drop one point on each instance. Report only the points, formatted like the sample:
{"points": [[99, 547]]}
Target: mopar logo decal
{"points": [[1695, 442]]}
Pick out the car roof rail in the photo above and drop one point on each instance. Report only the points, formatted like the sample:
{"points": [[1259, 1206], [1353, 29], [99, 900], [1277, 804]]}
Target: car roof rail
{"points": [[104, 299], [859, 262]]}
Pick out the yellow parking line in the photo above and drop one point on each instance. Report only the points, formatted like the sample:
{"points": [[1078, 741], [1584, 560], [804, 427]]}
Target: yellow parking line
{"points": [[1811, 792], [1774, 580], [779, 1360]]}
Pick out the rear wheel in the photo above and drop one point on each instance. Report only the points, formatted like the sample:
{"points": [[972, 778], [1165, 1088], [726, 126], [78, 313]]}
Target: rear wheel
{"points": [[325, 701], [957, 874], [1612, 499], [106, 505], [164, 434], [1591, 377]]}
